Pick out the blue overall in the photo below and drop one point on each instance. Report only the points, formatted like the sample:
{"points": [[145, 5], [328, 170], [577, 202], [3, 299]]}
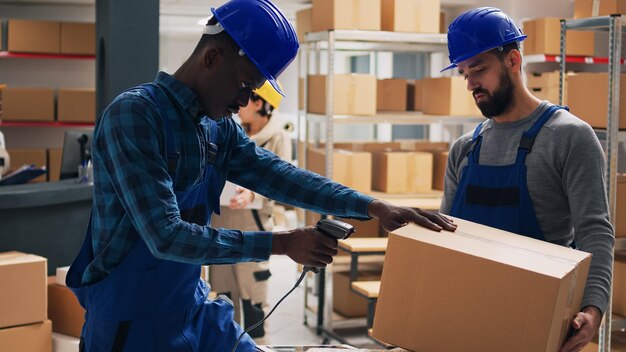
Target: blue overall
{"points": [[149, 304], [498, 196]]}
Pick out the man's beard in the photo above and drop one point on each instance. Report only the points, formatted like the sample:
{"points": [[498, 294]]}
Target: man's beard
{"points": [[500, 101]]}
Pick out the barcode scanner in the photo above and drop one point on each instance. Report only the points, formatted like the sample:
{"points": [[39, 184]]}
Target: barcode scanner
{"points": [[333, 228], [329, 227]]}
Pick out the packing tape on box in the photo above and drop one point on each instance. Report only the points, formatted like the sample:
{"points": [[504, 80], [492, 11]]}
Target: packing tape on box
{"points": [[595, 8]]}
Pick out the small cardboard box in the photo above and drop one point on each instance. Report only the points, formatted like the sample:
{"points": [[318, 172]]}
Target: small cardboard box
{"points": [[419, 145], [78, 38], [345, 14], [477, 289], [27, 338], [594, 8], [391, 95], [303, 23], [448, 96], [26, 36], [54, 163], [28, 156], [544, 37], [346, 302], [543, 80], [549, 94], [440, 160], [402, 172], [64, 311], [619, 285], [415, 96], [76, 105], [620, 207], [417, 16], [350, 168], [583, 88], [28, 104], [354, 94], [24, 300]]}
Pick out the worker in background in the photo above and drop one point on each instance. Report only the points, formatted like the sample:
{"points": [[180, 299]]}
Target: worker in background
{"points": [[161, 154], [532, 167], [246, 283]]}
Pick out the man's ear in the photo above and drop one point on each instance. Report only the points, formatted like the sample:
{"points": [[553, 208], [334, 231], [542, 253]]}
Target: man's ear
{"points": [[514, 61], [212, 58]]}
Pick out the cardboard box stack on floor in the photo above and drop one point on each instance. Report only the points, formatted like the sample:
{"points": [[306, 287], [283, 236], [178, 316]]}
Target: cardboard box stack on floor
{"points": [[545, 86], [24, 324], [477, 289], [64, 311]]}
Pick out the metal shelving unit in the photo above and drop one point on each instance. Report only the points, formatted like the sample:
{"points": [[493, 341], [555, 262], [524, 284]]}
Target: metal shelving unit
{"points": [[371, 42], [612, 24], [12, 55]]}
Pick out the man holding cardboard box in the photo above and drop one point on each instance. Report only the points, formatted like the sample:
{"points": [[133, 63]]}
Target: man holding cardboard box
{"points": [[162, 153], [532, 168]]}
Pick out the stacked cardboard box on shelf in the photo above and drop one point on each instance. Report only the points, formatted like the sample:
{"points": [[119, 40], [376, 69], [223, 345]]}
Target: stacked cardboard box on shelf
{"points": [[586, 87], [24, 326], [544, 37], [619, 285], [27, 104], [545, 86], [402, 172], [518, 293], [353, 94], [391, 94], [76, 105], [417, 16], [77, 38], [350, 168], [345, 14], [593, 8], [50, 37], [447, 96]]}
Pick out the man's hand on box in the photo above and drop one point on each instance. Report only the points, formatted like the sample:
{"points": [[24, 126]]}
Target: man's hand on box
{"points": [[585, 325], [392, 217]]}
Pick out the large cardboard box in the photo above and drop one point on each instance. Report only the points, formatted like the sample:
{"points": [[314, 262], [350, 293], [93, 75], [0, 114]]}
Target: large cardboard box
{"points": [[402, 172], [27, 338], [544, 37], [350, 168], [440, 160], [346, 302], [76, 105], [27, 36], [593, 8], [447, 96], [28, 156], [28, 104], [54, 163], [23, 299], [345, 14], [354, 94], [418, 16], [66, 313], [477, 289], [78, 38], [303, 23], [415, 96], [391, 94], [583, 88], [619, 285]]}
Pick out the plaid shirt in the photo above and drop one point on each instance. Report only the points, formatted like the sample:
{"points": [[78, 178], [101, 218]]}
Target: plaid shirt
{"points": [[134, 195]]}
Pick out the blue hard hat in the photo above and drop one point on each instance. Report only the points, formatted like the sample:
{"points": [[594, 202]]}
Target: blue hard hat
{"points": [[479, 30], [263, 33]]}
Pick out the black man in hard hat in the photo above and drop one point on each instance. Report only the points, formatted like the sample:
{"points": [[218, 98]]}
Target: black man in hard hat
{"points": [[162, 153], [532, 168]]}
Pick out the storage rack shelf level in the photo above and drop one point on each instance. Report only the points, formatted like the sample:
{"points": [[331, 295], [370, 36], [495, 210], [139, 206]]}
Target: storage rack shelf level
{"points": [[612, 24], [12, 55], [371, 42]]}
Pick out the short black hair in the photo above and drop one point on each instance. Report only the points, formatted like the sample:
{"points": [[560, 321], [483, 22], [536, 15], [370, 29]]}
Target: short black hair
{"points": [[267, 109], [221, 40], [504, 50]]}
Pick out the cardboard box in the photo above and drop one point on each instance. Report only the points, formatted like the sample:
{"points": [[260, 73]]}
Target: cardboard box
{"points": [[66, 313], [620, 207], [346, 302], [443, 28], [27, 338], [543, 80], [368, 146], [448, 96], [549, 94], [54, 163], [300, 93], [345, 14], [619, 285], [78, 38], [478, 289], [28, 36], [23, 301], [402, 172], [440, 159], [419, 145], [28, 104], [354, 94], [369, 228], [594, 8], [76, 105], [391, 95], [303, 23], [350, 168], [415, 96], [27, 156], [417, 16], [544, 37], [583, 88], [2, 35]]}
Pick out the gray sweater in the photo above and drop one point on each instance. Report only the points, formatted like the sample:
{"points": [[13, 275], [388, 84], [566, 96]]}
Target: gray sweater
{"points": [[566, 183]]}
